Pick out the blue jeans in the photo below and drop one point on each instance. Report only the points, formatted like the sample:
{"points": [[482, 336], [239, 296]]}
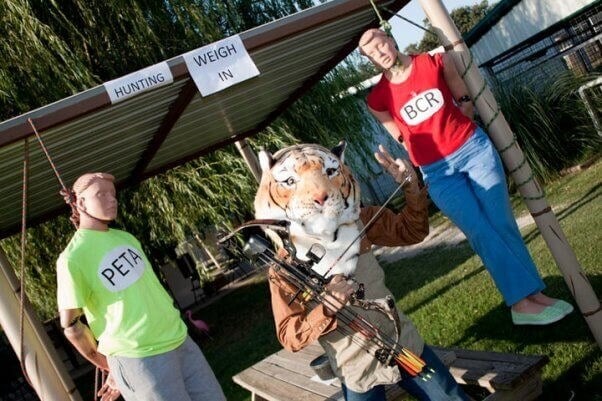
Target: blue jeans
{"points": [[469, 186], [441, 386]]}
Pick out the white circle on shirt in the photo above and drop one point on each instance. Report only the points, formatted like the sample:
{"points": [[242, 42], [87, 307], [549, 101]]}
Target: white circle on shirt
{"points": [[121, 267], [422, 106]]}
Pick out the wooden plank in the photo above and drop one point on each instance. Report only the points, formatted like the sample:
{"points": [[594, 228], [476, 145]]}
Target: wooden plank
{"points": [[285, 375], [279, 374], [494, 375], [300, 360], [301, 368], [529, 390], [296, 358], [270, 389], [536, 361], [494, 370]]}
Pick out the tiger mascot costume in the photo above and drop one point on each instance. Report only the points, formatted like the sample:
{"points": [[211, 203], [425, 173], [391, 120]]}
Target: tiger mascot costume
{"points": [[311, 187]]}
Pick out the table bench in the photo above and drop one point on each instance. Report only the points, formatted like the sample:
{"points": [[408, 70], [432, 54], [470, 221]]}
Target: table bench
{"points": [[287, 376]]}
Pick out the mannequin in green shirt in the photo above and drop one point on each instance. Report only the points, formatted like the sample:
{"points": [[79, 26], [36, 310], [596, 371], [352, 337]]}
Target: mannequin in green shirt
{"points": [[133, 331]]}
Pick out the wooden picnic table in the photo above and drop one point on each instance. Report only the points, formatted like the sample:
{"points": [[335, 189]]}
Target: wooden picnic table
{"points": [[287, 376]]}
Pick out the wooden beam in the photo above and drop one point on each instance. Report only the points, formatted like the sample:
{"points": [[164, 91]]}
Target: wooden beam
{"points": [[173, 115]]}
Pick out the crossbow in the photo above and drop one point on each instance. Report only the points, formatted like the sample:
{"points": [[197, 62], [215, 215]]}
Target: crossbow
{"points": [[311, 290]]}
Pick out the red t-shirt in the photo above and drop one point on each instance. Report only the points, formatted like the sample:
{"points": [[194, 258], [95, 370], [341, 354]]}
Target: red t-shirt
{"points": [[423, 108]]}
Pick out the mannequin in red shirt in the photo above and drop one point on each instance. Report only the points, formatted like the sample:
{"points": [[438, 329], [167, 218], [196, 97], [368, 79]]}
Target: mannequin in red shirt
{"points": [[423, 103]]}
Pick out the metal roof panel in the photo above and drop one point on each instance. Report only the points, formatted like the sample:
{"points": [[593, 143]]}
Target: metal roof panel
{"points": [[170, 125]]}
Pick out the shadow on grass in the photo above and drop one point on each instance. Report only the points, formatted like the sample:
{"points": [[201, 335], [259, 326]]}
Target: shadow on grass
{"points": [[497, 323], [578, 388], [588, 197], [408, 275], [242, 333]]}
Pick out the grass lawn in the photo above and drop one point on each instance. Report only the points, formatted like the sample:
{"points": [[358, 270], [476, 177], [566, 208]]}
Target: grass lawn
{"points": [[451, 298]]}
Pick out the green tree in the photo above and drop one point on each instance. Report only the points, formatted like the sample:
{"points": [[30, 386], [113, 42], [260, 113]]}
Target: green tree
{"points": [[50, 50], [465, 19]]}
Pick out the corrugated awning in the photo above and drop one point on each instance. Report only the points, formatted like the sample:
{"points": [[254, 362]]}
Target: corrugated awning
{"points": [[163, 128]]}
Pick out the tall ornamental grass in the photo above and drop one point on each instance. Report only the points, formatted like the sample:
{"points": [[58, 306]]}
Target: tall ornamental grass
{"points": [[551, 122]]}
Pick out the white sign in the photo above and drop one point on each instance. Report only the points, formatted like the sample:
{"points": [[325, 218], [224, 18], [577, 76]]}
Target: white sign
{"points": [[220, 65], [422, 106], [139, 82], [121, 267]]}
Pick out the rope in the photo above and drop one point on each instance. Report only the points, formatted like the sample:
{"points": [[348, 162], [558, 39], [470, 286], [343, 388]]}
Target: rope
{"points": [[23, 245], [65, 191], [70, 198], [96, 381], [56, 172], [496, 113], [511, 144], [384, 24], [408, 21], [99, 378]]}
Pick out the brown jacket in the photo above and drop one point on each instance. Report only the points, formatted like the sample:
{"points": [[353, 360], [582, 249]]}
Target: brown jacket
{"points": [[297, 326]]}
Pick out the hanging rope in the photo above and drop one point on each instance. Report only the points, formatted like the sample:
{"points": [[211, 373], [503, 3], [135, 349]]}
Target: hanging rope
{"points": [[70, 199], [409, 21], [384, 24], [468, 64], [99, 378], [23, 246], [66, 192]]}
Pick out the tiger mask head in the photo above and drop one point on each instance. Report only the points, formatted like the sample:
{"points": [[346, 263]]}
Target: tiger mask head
{"points": [[311, 187]]}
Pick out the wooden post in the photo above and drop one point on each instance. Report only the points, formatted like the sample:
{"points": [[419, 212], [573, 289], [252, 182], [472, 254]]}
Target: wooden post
{"points": [[48, 374], [207, 251], [515, 161], [250, 157]]}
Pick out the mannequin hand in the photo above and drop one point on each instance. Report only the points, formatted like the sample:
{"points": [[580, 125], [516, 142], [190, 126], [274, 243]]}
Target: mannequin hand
{"points": [[109, 390], [402, 171]]}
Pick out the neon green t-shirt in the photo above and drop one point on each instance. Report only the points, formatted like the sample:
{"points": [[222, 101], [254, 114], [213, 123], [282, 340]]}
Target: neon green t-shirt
{"points": [[129, 312]]}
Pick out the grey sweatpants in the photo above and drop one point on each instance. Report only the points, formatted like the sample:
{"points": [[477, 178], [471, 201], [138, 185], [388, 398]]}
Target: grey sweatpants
{"points": [[179, 375]]}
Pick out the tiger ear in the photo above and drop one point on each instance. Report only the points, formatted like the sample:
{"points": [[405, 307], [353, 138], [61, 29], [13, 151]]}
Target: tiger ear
{"points": [[265, 160], [339, 151]]}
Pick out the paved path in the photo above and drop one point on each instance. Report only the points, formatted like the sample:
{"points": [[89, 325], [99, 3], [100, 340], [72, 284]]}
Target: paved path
{"points": [[445, 234]]}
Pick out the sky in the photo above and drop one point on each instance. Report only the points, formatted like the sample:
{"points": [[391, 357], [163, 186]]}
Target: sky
{"points": [[406, 33]]}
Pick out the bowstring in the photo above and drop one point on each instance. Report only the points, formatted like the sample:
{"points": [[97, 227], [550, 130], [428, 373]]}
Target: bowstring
{"points": [[372, 337], [366, 227]]}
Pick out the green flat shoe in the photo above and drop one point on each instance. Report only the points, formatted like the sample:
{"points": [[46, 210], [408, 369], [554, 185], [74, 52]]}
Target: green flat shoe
{"points": [[548, 315], [563, 306]]}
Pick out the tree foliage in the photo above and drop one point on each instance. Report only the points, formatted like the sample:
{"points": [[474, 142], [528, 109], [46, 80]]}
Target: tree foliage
{"points": [[55, 49], [551, 122], [50, 50], [465, 19]]}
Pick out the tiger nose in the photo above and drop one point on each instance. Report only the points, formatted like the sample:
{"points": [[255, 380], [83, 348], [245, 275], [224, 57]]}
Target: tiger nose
{"points": [[320, 198]]}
